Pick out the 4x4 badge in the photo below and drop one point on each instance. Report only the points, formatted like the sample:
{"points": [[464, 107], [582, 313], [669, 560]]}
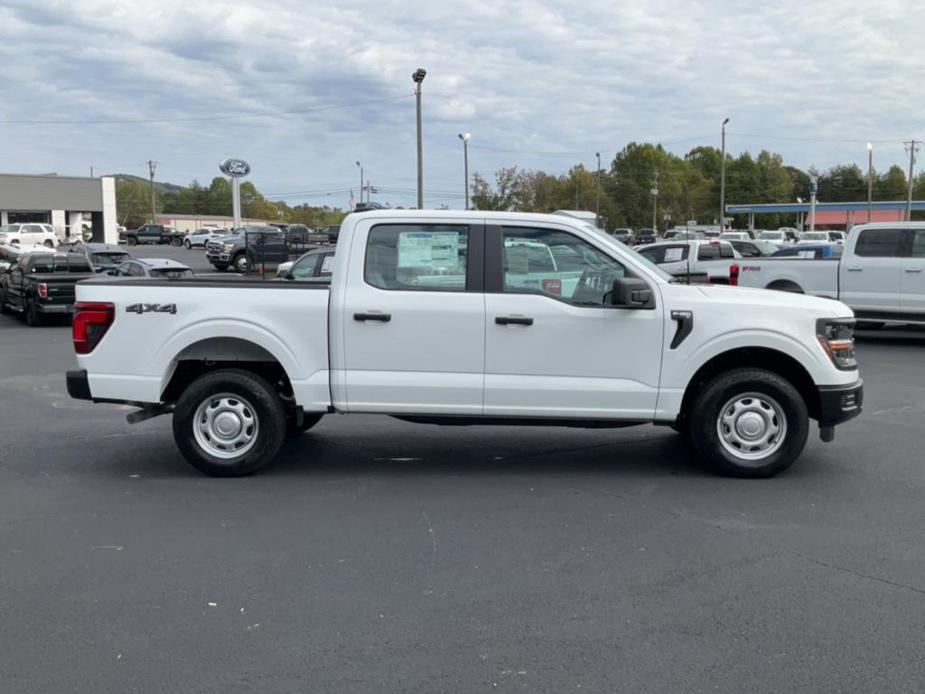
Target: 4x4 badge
{"points": [[151, 308]]}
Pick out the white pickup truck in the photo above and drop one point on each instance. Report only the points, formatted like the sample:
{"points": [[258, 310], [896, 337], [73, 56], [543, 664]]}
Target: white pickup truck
{"points": [[453, 318], [880, 274], [710, 257]]}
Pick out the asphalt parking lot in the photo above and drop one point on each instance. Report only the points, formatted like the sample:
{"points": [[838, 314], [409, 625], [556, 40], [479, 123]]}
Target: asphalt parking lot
{"points": [[379, 556]]}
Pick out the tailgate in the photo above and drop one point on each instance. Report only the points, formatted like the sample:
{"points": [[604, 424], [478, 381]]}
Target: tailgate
{"points": [[60, 286]]}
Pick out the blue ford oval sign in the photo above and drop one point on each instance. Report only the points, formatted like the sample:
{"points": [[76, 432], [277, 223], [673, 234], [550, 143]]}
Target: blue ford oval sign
{"points": [[236, 168]]}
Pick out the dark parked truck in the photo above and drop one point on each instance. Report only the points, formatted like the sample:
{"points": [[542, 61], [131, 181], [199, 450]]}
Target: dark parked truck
{"points": [[248, 247], [153, 233], [42, 284]]}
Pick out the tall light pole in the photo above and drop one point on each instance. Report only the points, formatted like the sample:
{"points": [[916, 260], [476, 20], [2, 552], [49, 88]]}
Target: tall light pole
{"points": [[722, 181], [812, 203], [152, 165], [465, 137], [870, 179], [913, 148], [418, 77], [597, 218], [361, 180], [655, 204]]}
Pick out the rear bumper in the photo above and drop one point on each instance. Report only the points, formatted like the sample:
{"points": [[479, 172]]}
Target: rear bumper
{"points": [[78, 385], [838, 404]]}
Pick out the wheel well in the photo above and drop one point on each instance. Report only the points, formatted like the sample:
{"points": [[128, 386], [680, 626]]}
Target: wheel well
{"points": [[785, 286], [225, 353], [760, 358]]}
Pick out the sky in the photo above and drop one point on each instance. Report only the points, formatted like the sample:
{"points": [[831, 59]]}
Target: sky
{"points": [[303, 90]]}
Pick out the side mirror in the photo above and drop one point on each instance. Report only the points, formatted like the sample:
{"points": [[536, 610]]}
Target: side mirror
{"points": [[631, 292]]}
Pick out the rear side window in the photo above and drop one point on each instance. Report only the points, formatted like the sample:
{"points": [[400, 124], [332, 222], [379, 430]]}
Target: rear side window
{"points": [[879, 243], [918, 243], [708, 252], [425, 257]]}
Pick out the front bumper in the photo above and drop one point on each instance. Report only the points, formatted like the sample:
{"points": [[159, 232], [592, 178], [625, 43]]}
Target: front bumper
{"points": [[838, 404], [78, 385]]}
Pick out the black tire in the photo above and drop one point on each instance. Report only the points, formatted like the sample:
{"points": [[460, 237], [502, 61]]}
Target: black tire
{"points": [[176, 241], [754, 393], [188, 245], [309, 419], [4, 309], [242, 263], [267, 418], [131, 241], [32, 316], [49, 243]]}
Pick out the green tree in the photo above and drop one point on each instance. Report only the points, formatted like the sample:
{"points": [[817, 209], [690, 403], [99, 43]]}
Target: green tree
{"points": [[892, 185], [133, 203]]}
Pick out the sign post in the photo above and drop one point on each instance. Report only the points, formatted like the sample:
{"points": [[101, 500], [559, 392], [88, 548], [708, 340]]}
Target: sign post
{"points": [[236, 169]]}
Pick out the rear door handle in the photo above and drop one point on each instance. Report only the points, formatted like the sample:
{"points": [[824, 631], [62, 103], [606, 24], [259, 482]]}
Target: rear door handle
{"points": [[855, 269], [513, 320], [913, 269], [381, 317]]}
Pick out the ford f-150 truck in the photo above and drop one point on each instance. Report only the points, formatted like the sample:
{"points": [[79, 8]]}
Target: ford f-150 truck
{"points": [[450, 318], [880, 274]]}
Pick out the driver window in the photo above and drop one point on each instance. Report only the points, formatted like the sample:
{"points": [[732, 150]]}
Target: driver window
{"points": [[557, 264], [305, 268]]}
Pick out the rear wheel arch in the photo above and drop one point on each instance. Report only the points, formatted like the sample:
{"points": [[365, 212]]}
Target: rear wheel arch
{"points": [[772, 360], [213, 354], [786, 286]]}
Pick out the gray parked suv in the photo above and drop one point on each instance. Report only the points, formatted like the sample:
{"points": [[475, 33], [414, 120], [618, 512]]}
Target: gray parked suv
{"points": [[248, 247]]}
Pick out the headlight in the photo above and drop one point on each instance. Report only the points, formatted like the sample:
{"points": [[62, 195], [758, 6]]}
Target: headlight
{"points": [[837, 339], [228, 246]]}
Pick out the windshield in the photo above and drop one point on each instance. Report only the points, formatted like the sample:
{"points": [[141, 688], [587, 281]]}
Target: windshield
{"points": [[108, 259], [172, 273]]}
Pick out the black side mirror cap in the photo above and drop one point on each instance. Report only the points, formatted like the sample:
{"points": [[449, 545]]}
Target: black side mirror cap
{"points": [[632, 292]]}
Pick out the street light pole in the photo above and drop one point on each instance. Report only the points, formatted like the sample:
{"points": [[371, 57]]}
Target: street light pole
{"points": [[913, 148], [465, 137], [870, 179], [722, 181], [812, 204], [418, 77], [361, 180], [597, 218], [655, 204]]}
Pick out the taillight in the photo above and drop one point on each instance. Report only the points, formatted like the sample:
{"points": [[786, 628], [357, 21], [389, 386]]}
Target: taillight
{"points": [[734, 274], [43, 290], [91, 321]]}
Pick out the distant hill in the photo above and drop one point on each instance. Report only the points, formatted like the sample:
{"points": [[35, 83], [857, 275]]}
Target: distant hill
{"points": [[159, 186]]}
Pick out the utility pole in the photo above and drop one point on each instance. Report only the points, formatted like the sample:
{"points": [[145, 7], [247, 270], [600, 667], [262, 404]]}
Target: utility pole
{"points": [[870, 179], [913, 148], [361, 180], [418, 77], [655, 204], [151, 166], [465, 137], [812, 204], [598, 214], [722, 181]]}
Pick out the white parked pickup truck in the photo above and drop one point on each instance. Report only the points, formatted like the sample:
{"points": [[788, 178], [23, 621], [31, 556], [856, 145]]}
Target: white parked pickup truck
{"points": [[454, 318], [710, 257], [880, 274]]}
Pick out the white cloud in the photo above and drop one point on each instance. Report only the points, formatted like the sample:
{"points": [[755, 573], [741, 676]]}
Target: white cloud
{"points": [[527, 75]]}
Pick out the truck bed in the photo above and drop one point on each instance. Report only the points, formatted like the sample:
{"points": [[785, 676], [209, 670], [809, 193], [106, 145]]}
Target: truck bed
{"points": [[818, 277], [159, 323]]}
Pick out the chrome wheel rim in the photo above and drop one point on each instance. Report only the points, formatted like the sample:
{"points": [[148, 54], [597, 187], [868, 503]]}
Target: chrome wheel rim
{"points": [[225, 426], [751, 426]]}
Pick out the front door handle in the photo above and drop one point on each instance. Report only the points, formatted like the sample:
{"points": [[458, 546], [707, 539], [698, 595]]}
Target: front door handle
{"points": [[381, 317], [855, 269], [913, 269], [513, 320]]}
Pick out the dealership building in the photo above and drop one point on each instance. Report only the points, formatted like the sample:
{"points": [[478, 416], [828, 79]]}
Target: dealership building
{"points": [[68, 203]]}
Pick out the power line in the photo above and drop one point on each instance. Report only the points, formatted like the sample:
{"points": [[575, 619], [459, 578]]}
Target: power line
{"points": [[190, 119]]}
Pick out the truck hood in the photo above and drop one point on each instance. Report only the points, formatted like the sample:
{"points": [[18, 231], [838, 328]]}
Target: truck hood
{"points": [[745, 296]]}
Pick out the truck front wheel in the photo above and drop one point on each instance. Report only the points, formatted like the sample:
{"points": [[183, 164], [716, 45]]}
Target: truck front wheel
{"points": [[229, 423], [749, 423]]}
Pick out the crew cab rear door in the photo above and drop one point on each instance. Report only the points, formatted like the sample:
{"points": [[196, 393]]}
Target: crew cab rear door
{"points": [[554, 347], [871, 274], [410, 319]]}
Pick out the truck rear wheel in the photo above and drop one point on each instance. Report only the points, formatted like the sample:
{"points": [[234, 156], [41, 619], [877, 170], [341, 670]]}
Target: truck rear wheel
{"points": [[749, 423], [242, 263], [31, 314], [132, 241], [229, 423]]}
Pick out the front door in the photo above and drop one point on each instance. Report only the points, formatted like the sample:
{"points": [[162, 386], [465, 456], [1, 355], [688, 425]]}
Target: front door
{"points": [[554, 348], [871, 280], [414, 327]]}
